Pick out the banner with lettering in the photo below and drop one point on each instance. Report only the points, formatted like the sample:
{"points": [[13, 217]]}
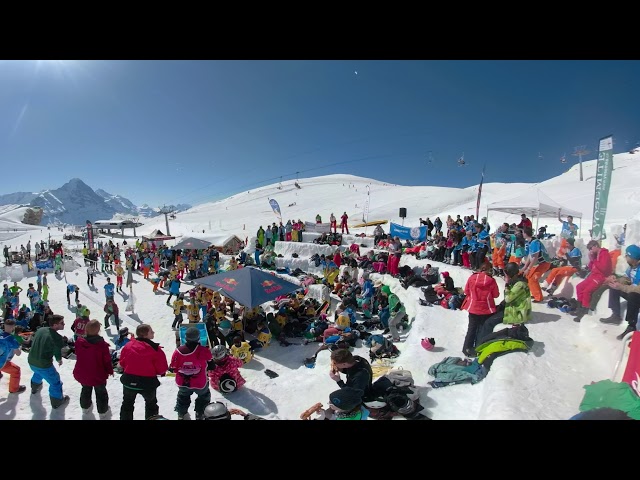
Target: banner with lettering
{"points": [[408, 233], [276, 208], [604, 168]]}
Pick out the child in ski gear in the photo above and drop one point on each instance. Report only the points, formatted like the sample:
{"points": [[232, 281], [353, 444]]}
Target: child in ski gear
{"points": [[241, 349], [111, 308], [120, 341], [71, 288], [93, 367], [10, 346], [189, 363], [178, 306], [109, 289], [80, 323], [396, 310], [224, 373]]}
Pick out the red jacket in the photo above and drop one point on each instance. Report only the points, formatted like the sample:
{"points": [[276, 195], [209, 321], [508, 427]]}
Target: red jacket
{"points": [[344, 219], [93, 361], [191, 364], [337, 259], [525, 223], [141, 358], [601, 265], [480, 290]]}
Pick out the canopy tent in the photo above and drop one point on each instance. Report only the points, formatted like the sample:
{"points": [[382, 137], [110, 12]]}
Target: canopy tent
{"points": [[157, 236], [190, 243], [248, 286], [535, 204]]}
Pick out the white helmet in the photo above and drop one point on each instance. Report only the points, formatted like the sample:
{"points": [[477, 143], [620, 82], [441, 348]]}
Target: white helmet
{"points": [[219, 352], [216, 410]]}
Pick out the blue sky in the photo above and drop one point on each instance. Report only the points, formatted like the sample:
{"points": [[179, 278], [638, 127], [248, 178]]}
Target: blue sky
{"points": [[166, 131]]}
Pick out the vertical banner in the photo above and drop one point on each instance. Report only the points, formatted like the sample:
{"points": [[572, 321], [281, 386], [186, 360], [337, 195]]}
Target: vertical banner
{"points": [[276, 208], [604, 168], [479, 195], [89, 235]]}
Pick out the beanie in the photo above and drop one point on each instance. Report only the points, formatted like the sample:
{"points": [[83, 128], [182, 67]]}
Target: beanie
{"points": [[346, 398], [386, 289], [633, 251], [192, 334]]}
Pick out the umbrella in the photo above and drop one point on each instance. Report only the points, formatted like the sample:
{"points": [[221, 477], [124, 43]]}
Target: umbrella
{"points": [[248, 286], [190, 243]]}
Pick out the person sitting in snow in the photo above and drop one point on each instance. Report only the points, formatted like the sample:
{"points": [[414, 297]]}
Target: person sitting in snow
{"points": [[224, 373]]}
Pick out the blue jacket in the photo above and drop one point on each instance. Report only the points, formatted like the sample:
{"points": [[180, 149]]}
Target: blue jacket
{"points": [[8, 344], [636, 279], [174, 289]]}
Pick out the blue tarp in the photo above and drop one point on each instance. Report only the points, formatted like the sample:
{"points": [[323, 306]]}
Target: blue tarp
{"points": [[204, 339]]}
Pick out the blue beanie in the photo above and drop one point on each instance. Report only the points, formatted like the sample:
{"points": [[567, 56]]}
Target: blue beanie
{"points": [[633, 251]]}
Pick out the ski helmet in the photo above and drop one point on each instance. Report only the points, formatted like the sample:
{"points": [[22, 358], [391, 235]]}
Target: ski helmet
{"points": [[219, 352], [216, 411]]}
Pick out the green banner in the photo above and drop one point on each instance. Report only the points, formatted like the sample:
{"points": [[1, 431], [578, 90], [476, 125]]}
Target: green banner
{"points": [[603, 182]]}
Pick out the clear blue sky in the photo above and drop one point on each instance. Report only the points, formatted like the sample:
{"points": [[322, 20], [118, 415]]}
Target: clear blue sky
{"points": [[191, 131]]}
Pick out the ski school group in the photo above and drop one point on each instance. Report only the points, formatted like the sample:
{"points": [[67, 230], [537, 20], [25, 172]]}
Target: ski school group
{"points": [[222, 336]]}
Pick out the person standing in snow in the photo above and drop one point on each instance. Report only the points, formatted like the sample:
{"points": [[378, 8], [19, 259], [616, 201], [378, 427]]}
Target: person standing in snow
{"points": [[92, 369], [46, 345], [343, 223], [142, 360], [189, 363]]}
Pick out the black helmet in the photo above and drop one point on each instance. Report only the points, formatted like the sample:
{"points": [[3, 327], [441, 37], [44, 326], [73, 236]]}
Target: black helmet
{"points": [[511, 269], [124, 331], [216, 411]]}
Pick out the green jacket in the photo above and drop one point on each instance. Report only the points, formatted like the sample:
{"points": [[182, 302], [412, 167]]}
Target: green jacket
{"points": [[606, 393], [517, 300], [393, 301], [47, 343]]}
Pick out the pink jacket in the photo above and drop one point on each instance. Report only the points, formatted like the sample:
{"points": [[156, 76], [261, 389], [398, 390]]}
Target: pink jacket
{"points": [[191, 365], [230, 365]]}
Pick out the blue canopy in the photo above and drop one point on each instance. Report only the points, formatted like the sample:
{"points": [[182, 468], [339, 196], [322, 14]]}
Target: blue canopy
{"points": [[248, 286]]}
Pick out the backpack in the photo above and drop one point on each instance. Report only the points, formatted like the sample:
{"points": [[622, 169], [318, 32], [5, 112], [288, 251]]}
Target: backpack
{"points": [[400, 378], [456, 301]]}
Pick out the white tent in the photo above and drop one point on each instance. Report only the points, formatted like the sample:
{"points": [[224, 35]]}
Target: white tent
{"points": [[535, 204]]}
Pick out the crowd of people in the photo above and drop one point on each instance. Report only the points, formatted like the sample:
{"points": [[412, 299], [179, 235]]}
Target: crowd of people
{"points": [[368, 311]]}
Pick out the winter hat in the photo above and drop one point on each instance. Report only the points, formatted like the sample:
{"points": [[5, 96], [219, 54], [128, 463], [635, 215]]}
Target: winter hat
{"points": [[428, 343], [445, 274], [633, 251], [192, 334], [386, 289], [346, 398]]}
